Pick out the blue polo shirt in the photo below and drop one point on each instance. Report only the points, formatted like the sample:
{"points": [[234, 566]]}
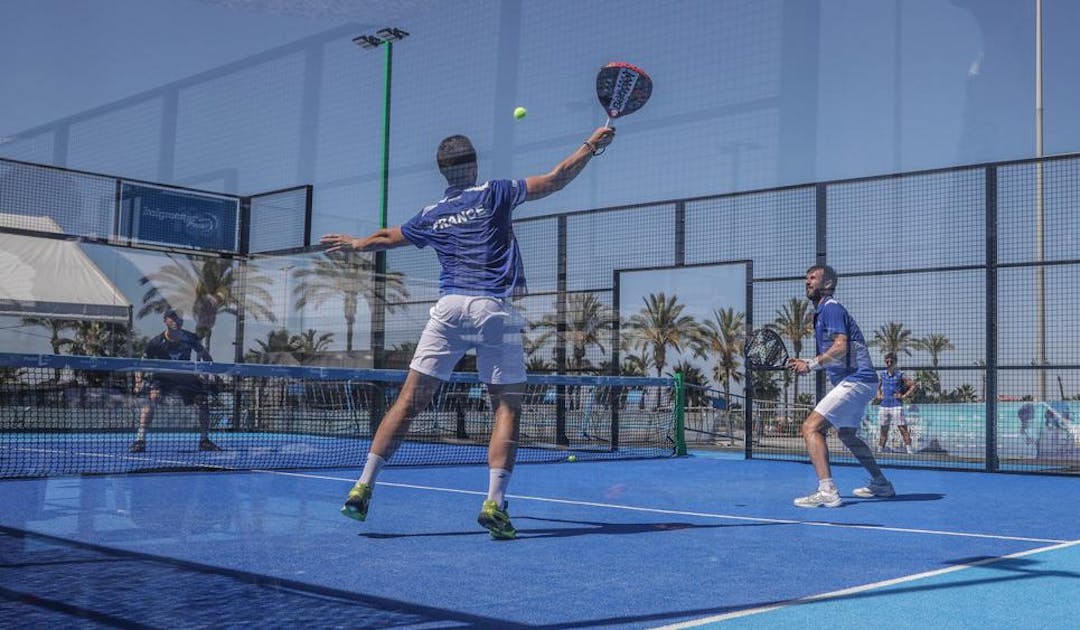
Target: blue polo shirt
{"points": [[472, 233], [831, 319], [891, 384]]}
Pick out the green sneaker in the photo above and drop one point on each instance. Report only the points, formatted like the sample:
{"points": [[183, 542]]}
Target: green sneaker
{"points": [[496, 521], [356, 504]]}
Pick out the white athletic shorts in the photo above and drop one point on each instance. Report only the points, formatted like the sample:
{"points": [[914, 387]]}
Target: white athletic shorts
{"points": [[891, 415], [845, 404], [459, 323]]}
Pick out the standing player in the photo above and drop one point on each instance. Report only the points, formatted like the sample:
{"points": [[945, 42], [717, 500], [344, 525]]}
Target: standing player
{"points": [[843, 354], [895, 390], [471, 231], [175, 344]]}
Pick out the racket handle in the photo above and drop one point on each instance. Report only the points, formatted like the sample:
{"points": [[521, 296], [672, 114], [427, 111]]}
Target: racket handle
{"points": [[607, 123]]}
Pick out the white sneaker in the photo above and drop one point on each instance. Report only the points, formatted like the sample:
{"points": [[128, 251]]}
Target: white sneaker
{"points": [[875, 489], [820, 498], [909, 449]]}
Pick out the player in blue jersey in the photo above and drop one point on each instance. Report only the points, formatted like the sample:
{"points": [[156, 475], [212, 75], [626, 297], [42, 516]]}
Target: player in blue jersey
{"points": [[174, 344], [894, 390], [843, 354], [471, 230]]}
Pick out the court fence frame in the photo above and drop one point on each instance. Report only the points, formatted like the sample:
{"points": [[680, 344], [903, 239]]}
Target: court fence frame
{"points": [[997, 224]]}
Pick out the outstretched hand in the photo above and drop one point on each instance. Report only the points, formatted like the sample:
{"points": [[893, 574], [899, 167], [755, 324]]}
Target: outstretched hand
{"points": [[602, 137], [339, 242]]}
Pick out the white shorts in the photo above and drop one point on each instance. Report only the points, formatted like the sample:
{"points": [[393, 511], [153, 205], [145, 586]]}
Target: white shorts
{"points": [[461, 322], [890, 415], [845, 405]]}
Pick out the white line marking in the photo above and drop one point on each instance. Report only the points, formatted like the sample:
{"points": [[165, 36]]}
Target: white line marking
{"points": [[859, 589], [730, 517]]}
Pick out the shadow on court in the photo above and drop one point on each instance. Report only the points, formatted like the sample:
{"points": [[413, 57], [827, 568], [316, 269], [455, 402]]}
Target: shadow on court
{"points": [[900, 498], [584, 528], [58, 580]]}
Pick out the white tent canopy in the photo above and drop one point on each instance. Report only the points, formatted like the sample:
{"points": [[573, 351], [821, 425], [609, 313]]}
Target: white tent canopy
{"points": [[46, 277]]}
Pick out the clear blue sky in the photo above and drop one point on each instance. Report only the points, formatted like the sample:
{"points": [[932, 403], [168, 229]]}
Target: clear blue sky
{"points": [[749, 94]]}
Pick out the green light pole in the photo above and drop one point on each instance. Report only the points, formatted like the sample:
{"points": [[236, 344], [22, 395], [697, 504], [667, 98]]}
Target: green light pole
{"points": [[385, 38]]}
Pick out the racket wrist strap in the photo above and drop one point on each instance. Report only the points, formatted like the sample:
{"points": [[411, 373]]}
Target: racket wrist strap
{"points": [[814, 364], [592, 148]]}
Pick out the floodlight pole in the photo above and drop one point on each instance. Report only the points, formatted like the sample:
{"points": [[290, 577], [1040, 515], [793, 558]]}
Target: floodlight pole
{"points": [[385, 38], [1040, 226]]}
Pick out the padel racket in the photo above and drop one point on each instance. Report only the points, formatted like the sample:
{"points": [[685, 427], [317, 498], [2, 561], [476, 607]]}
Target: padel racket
{"points": [[622, 89], [765, 350]]}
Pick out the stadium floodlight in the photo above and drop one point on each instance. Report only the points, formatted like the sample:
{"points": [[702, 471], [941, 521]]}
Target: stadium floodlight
{"points": [[388, 34]]}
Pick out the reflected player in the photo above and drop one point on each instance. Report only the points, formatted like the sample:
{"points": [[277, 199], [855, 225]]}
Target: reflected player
{"points": [[174, 344]]}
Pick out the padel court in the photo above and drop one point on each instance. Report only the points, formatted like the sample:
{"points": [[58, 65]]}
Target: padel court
{"points": [[631, 544]]}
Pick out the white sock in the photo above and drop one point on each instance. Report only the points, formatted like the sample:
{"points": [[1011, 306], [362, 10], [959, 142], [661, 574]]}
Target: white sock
{"points": [[498, 480], [141, 433], [371, 469], [826, 485]]}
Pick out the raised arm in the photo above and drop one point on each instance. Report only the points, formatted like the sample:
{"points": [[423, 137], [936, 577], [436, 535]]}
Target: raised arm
{"points": [[385, 238], [540, 186]]}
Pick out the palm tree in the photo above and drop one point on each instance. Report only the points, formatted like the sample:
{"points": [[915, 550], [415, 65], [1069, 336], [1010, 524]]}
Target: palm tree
{"points": [[795, 320], [893, 337], [306, 345], [636, 364], [208, 288], [277, 342], [632, 365], [659, 325], [56, 328], [723, 336], [588, 324], [695, 381], [765, 387], [95, 339], [929, 386], [965, 393], [350, 276], [538, 365], [934, 344]]}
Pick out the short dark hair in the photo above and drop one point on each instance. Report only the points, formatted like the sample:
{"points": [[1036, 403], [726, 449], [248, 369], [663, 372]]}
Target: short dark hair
{"points": [[890, 355], [454, 151], [173, 315], [829, 273]]}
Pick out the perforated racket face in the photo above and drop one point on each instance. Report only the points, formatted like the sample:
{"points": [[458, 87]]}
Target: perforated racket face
{"points": [[765, 349], [622, 88]]}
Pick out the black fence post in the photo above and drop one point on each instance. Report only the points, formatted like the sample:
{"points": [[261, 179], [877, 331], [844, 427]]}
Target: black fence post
{"points": [[990, 393]]}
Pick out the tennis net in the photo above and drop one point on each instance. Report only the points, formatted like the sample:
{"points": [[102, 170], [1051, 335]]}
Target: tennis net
{"points": [[62, 415]]}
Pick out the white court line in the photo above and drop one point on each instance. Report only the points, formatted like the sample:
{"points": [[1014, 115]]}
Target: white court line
{"points": [[134, 458], [730, 517], [859, 589]]}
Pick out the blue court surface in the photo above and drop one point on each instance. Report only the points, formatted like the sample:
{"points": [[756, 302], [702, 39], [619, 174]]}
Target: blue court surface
{"points": [[688, 542]]}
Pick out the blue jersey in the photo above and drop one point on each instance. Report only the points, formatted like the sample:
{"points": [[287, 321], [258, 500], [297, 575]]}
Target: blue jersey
{"points": [[831, 319], [177, 348], [891, 384], [472, 233]]}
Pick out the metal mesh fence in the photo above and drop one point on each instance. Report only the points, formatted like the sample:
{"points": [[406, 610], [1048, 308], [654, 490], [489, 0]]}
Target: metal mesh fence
{"points": [[968, 274], [280, 220]]}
